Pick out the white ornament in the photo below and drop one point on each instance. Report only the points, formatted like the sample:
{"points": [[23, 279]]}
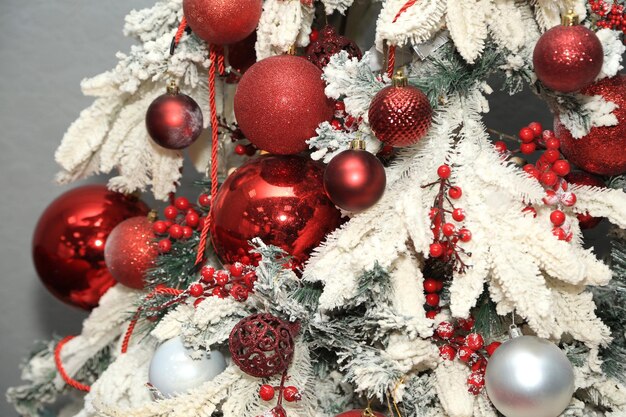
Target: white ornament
{"points": [[173, 370]]}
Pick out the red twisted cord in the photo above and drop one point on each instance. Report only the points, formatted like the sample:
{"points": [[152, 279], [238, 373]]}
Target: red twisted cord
{"points": [[214, 140], [392, 49], [59, 364], [135, 319], [221, 67], [180, 31]]}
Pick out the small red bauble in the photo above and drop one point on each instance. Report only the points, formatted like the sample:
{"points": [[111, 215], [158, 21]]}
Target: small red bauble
{"points": [[455, 192], [196, 290], [445, 330], [500, 146], [204, 200], [431, 314], [355, 179], [557, 217], [465, 353], [174, 120], [266, 392], [291, 394], [586, 221], [164, 245], [436, 250], [432, 300], [553, 143], [444, 171], [329, 43], [526, 134], [549, 178], [536, 128], [159, 227], [474, 341], [360, 413], [527, 148], [448, 229], [467, 324], [279, 103], [69, 240], [236, 269], [561, 168], [262, 345], [602, 150], [400, 115], [279, 199], [175, 231], [222, 22], [447, 352], [207, 273], [170, 212], [192, 219], [431, 285], [221, 278], [491, 347], [465, 235], [568, 58], [181, 203], [559, 233], [458, 214], [551, 155]]}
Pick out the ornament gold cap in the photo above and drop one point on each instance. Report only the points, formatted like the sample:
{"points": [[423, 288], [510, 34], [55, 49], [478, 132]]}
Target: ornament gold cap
{"points": [[172, 88], [514, 331], [292, 49], [152, 216], [518, 161], [368, 412], [357, 144], [399, 79], [570, 18]]}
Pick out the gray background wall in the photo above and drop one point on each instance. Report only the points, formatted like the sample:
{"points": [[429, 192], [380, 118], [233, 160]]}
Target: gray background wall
{"points": [[46, 48]]}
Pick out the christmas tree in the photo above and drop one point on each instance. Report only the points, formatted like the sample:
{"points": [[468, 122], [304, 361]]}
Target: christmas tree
{"points": [[362, 243]]}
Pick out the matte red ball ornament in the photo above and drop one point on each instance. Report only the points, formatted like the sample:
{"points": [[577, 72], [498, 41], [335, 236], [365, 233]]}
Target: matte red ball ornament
{"points": [[355, 179], [279, 199], [360, 413], [130, 251], [586, 221], [222, 22], [69, 240], [601, 151], [262, 344], [328, 44], [279, 103], [568, 57], [174, 120]]}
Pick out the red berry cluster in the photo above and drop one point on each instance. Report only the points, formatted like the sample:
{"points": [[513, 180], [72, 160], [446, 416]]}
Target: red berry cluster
{"points": [[432, 288], [458, 340], [181, 221], [609, 15], [446, 234], [236, 280], [290, 393], [342, 120]]}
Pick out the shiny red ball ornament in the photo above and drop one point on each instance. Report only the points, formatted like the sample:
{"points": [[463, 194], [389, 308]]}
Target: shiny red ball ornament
{"points": [[279, 103], [568, 58], [329, 43], [400, 115], [355, 179], [279, 199], [69, 240], [222, 22], [601, 151], [586, 221], [130, 251], [174, 120], [262, 344], [360, 413]]}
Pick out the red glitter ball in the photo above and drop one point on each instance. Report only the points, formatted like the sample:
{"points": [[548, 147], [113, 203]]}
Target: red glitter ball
{"points": [[222, 22]]}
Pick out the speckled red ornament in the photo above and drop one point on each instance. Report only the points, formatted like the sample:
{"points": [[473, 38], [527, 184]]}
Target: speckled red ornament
{"points": [[130, 251], [360, 413], [602, 150], [400, 115], [279, 103], [262, 344], [568, 58], [69, 240], [328, 44], [222, 22], [586, 221]]}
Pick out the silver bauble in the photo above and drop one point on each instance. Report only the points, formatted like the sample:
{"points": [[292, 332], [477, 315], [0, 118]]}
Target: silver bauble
{"points": [[529, 377], [173, 371]]}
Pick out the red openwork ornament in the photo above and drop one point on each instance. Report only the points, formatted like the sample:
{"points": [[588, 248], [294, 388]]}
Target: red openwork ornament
{"points": [[328, 44], [262, 344]]}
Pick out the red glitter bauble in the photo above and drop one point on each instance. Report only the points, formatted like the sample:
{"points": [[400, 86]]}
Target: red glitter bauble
{"points": [[568, 58], [601, 151], [222, 22], [360, 413], [355, 180], [130, 250], [279, 199], [174, 120], [400, 115], [328, 44], [586, 221], [69, 241], [262, 345], [279, 103]]}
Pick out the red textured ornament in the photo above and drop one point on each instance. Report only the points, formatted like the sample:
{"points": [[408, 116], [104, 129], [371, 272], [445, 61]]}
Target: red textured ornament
{"points": [[174, 120], [279, 199], [568, 58], [355, 179], [279, 103], [69, 239], [130, 250], [602, 150], [360, 413], [262, 344], [222, 22], [400, 115], [586, 221], [328, 44]]}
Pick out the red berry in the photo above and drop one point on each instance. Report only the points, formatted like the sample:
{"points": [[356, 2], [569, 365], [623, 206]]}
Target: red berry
{"points": [[239, 292], [531, 210], [476, 380], [217, 291], [349, 121], [500, 146], [445, 330], [447, 352], [250, 149], [187, 232], [467, 324], [568, 199], [491, 347], [561, 167], [549, 178], [176, 231], [431, 285], [551, 155], [448, 229], [433, 212], [474, 341], [314, 35], [340, 106], [181, 203], [444, 171], [480, 365], [458, 214], [240, 150], [557, 217], [192, 219], [436, 250], [207, 273], [249, 278], [236, 269], [196, 290], [526, 134], [465, 235], [336, 124], [204, 200], [431, 314], [170, 212], [553, 143], [527, 148], [266, 392], [159, 227], [165, 245], [559, 233], [536, 128], [291, 394], [465, 353], [432, 300], [455, 192], [198, 301], [221, 277]]}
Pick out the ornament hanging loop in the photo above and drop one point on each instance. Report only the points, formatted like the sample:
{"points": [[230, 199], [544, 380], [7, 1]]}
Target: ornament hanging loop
{"points": [[399, 79], [570, 18], [357, 144], [514, 331], [172, 88]]}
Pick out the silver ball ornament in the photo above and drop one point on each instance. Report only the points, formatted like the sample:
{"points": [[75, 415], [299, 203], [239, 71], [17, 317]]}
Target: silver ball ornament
{"points": [[528, 376], [173, 371]]}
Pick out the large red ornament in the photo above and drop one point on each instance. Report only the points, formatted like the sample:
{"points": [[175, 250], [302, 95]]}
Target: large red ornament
{"points": [[602, 150], [130, 251], [222, 22], [586, 221], [355, 179], [400, 115], [328, 44], [360, 413], [69, 240], [568, 58], [279, 199], [279, 103], [262, 344], [174, 120]]}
